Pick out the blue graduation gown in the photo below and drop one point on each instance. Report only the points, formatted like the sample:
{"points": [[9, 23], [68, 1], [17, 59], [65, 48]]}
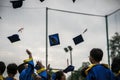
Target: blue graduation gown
{"points": [[99, 72], [26, 74], [43, 73]]}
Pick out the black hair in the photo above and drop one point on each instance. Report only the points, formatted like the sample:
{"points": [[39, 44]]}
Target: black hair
{"points": [[115, 66], [2, 67], [59, 75], [12, 68], [96, 54], [21, 67]]}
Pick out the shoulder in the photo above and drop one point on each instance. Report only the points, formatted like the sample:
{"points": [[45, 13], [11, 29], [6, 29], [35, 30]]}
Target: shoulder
{"points": [[96, 67]]}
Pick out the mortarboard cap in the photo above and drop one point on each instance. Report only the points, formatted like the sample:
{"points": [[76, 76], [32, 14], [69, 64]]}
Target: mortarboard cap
{"points": [[68, 69], [14, 38], [17, 4], [41, 0], [73, 1], [78, 39], [54, 39]]}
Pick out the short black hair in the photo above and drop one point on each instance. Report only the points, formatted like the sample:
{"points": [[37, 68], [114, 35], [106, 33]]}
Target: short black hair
{"points": [[12, 68], [2, 67], [115, 66], [21, 67], [59, 75], [96, 54]]}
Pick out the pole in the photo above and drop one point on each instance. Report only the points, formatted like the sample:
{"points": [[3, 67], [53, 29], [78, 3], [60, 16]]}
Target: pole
{"points": [[106, 20], [71, 57], [71, 63], [46, 36]]}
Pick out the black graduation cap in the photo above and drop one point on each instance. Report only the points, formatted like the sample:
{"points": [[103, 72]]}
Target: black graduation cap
{"points": [[68, 69], [41, 0], [73, 0], [14, 38], [17, 4], [54, 39], [78, 39]]}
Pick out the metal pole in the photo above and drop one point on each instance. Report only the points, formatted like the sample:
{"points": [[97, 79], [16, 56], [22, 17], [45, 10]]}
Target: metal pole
{"points": [[71, 57], [46, 36], [106, 20], [71, 63]]}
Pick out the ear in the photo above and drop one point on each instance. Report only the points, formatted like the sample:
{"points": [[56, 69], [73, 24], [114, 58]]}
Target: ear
{"points": [[91, 59]]}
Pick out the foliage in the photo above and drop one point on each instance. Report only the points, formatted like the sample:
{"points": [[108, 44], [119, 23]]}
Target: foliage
{"points": [[115, 45], [76, 75]]}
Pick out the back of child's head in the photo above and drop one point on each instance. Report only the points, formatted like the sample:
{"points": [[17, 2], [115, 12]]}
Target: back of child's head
{"points": [[21, 67], [96, 54], [2, 67], [12, 68], [59, 74], [115, 66]]}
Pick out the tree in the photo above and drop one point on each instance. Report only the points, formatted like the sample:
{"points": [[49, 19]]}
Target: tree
{"points": [[76, 75], [115, 45]]}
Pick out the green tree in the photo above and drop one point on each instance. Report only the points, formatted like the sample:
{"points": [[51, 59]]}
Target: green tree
{"points": [[115, 45], [76, 75]]}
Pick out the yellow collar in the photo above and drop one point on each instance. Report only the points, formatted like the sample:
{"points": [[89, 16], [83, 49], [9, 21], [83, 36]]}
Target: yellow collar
{"points": [[1, 77], [41, 70], [92, 65], [89, 68]]}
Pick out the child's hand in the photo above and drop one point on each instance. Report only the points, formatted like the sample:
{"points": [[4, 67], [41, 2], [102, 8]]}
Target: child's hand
{"points": [[29, 53], [40, 64]]}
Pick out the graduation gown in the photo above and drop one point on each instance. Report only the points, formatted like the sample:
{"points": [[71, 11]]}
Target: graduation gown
{"points": [[43, 73], [99, 72], [26, 74]]}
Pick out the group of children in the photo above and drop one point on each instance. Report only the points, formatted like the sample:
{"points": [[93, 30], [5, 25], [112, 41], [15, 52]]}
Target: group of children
{"points": [[26, 70], [95, 71]]}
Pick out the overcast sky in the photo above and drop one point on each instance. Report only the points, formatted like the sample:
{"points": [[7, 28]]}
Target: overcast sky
{"points": [[32, 17]]}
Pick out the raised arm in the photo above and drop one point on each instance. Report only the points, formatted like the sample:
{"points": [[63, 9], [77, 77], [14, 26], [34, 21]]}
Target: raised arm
{"points": [[29, 53]]}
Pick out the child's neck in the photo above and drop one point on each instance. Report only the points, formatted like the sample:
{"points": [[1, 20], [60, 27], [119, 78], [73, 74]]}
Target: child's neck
{"points": [[96, 62]]}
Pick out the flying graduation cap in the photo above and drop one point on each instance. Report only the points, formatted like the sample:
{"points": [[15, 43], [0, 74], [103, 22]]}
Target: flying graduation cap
{"points": [[54, 39], [17, 3], [78, 39], [41, 0], [73, 1], [14, 38], [68, 69]]}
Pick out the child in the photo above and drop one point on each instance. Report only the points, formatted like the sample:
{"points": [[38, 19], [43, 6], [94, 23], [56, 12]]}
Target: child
{"points": [[59, 75], [2, 69], [97, 71], [115, 66], [42, 72], [11, 71], [27, 68]]}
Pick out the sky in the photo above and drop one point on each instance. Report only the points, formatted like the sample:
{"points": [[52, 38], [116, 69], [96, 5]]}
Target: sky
{"points": [[32, 17]]}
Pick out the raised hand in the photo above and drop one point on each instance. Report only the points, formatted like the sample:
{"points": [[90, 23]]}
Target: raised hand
{"points": [[29, 53]]}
